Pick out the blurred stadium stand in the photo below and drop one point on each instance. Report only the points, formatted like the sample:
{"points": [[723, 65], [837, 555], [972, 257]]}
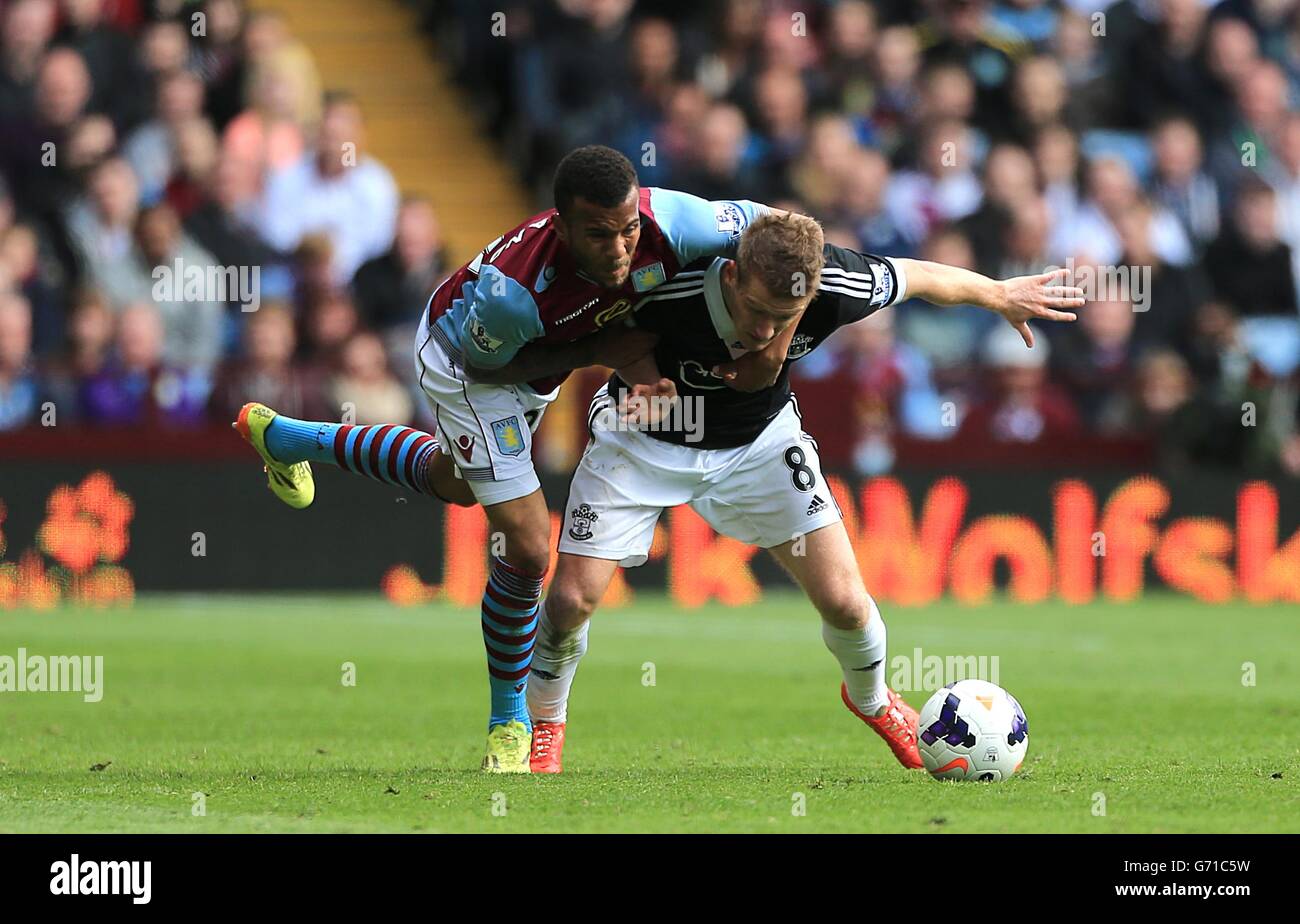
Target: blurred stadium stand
{"points": [[1160, 133]]}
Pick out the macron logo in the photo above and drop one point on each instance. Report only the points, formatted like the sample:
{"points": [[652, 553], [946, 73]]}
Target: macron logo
{"points": [[103, 877]]}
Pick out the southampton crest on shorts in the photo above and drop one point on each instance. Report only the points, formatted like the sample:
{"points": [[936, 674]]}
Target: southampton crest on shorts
{"points": [[581, 518]]}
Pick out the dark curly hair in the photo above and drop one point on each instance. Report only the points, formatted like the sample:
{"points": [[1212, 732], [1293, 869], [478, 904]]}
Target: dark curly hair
{"points": [[601, 175]]}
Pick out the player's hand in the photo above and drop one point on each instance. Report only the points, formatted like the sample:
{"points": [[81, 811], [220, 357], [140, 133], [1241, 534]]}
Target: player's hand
{"points": [[1028, 297], [620, 345], [647, 405], [752, 372]]}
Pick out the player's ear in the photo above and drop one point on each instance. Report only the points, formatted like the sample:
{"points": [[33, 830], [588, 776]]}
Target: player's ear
{"points": [[561, 229]]}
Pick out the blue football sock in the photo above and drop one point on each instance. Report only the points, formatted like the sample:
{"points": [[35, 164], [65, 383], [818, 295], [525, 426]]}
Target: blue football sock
{"points": [[389, 453], [509, 628]]}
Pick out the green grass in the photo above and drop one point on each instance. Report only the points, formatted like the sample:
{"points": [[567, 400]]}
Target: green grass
{"points": [[241, 699]]}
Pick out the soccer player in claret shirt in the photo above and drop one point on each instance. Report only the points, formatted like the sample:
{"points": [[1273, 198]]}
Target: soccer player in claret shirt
{"points": [[565, 280], [750, 471]]}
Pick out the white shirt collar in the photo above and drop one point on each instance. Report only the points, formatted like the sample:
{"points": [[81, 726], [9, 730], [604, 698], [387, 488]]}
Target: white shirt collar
{"points": [[718, 312]]}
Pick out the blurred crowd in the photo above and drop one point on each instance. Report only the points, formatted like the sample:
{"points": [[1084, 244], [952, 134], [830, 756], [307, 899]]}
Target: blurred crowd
{"points": [[140, 139], [1006, 137], [145, 144]]}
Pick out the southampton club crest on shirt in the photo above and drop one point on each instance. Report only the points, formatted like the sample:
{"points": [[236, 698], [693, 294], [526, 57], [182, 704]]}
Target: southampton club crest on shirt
{"points": [[799, 346], [581, 518]]}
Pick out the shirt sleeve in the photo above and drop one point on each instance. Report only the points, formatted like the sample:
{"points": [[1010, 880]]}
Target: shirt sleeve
{"points": [[860, 283], [697, 228], [501, 318]]}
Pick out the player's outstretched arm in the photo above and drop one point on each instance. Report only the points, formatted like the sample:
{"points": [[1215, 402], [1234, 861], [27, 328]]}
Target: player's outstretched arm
{"points": [[1017, 299], [614, 346]]}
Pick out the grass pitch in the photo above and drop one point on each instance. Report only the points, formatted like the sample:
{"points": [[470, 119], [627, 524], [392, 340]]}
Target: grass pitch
{"points": [[1139, 721]]}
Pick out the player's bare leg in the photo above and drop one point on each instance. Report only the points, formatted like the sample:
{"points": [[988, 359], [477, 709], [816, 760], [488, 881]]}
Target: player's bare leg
{"points": [[443, 483], [510, 618], [826, 568], [575, 592]]}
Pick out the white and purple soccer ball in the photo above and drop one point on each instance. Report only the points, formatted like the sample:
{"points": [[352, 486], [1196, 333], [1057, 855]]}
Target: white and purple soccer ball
{"points": [[973, 730]]}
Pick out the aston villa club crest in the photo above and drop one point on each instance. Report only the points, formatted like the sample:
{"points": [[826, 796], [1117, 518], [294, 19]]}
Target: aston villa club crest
{"points": [[647, 277], [509, 436], [581, 518]]}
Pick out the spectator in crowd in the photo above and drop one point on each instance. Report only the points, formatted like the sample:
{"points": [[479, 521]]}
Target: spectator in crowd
{"points": [[849, 61], [151, 148], [196, 160], [898, 64], [1180, 184], [137, 387], [26, 28], [30, 141], [1163, 297], [329, 324], [110, 59], [965, 35], [781, 116], [1163, 71], [1286, 182], [20, 389], [267, 371], [337, 190], [391, 290], [860, 204], [1010, 184], [181, 280], [1112, 191], [944, 187], [948, 337], [89, 340], [1257, 282], [365, 385], [219, 58], [1249, 264], [1021, 406], [1096, 356], [225, 223], [1056, 157], [720, 160], [20, 259], [103, 222], [272, 132], [818, 173]]}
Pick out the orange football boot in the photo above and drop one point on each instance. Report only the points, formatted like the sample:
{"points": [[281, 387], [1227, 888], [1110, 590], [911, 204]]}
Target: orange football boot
{"points": [[548, 747], [897, 725]]}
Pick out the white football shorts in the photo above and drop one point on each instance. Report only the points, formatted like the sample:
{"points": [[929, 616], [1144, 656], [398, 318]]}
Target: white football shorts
{"points": [[486, 429], [763, 494]]}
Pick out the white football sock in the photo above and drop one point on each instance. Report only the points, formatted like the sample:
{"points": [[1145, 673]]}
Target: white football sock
{"points": [[555, 661], [861, 653]]}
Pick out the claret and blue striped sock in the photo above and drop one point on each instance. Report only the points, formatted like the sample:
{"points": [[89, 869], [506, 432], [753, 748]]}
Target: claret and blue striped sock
{"points": [[509, 629], [389, 453]]}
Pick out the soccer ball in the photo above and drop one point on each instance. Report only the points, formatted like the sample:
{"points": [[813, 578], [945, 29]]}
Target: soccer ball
{"points": [[973, 730]]}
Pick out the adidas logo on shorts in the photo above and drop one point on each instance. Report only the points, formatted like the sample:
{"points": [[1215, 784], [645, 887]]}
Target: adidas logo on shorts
{"points": [[817, 505]]}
